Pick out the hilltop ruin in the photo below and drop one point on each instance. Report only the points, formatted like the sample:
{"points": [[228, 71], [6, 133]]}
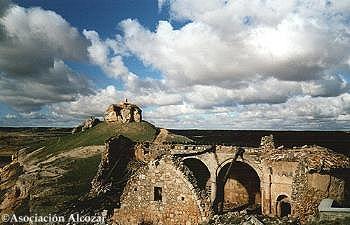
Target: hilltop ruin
{"points": [[123, 112]]}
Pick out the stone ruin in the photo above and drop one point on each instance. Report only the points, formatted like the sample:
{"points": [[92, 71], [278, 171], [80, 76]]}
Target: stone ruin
{"points": [[85, 125], [184, 183], [123, 112]]}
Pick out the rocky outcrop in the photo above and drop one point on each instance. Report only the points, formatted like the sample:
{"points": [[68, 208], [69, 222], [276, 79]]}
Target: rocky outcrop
{"points": [[87, 124], [123, 113], [29, 183], [13, 188]]}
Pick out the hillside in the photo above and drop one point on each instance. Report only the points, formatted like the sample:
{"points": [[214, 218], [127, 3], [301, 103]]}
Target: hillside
{"points": [[97, 135], [58, 169]]}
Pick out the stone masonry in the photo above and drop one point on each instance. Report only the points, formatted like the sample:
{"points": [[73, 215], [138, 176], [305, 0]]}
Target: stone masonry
{"points": [[276, 181], [160, 193], [123, 112]]}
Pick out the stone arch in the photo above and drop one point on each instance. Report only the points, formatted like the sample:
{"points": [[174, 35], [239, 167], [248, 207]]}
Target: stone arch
{"points": [[241, 189], [200, 171], [247, 161], [283, 206]]}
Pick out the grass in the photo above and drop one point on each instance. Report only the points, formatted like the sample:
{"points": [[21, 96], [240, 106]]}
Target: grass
{"points": [[14, 139], [80, 174], [69, 188], [97, 135], [75, 182]]}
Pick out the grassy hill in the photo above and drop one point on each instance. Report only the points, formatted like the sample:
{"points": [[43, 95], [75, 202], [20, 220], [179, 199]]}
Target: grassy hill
{"points": [[97, 135], [59, 166], [63, 165]]}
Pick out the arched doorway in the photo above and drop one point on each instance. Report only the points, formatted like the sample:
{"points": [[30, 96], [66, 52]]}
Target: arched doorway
{"points": [[283, 206], [240, 190], [200, 172]]}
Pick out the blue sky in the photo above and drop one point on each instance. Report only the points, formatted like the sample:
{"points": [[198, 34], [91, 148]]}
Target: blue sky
{"points": [[103, 17], [189, 64]]}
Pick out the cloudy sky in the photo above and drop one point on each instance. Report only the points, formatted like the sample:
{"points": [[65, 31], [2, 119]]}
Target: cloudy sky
{"points": [[218, 64]]}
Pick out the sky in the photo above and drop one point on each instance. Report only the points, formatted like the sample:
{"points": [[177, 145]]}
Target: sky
{"points": [[189, 64]]}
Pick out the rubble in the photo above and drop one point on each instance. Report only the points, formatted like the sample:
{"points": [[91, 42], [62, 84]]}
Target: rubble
{"points": [[242, 218], [87, 124], [267, 143]]}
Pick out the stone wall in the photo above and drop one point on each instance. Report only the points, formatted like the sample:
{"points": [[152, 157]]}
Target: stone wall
{"points": [[123, 113], [180, 202], [85, 125], [292, 179], [282, 174], [310, 188], [116, 156]]}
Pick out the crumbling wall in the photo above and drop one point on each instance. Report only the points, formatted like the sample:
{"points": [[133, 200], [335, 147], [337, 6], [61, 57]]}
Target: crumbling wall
{"points": [[310, 188], [123, 113], [113, 170], [300, 176], [267, 143], [179, 203], [282, 173]]}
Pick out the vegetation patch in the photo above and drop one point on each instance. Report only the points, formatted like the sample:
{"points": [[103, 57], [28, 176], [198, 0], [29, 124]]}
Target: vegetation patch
{"points": [[97, 135], [56, 194]]}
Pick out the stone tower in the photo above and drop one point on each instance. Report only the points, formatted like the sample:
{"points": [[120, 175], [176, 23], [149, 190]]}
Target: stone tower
{"points": [[123, 112]]}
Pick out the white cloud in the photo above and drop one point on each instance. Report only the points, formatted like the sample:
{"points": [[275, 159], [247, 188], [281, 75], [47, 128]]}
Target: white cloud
{"points": [[268, 90], [233, 65], [87, 105], [266, 64], [294, 48], [30, 93], [10, 116], [33, 46], [298, 113], [107, 54], [43, 31]]}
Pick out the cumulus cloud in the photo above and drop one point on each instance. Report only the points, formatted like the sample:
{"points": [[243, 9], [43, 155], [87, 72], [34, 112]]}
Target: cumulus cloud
{"points": [[96, 103], [298, 113], [259, 65], [232, 65], [107, 54], [33, 46], [87, 105], [249, 59], [220, 44]]}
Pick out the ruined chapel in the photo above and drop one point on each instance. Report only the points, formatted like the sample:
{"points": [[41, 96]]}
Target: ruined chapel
{"points": [[177, 183]]}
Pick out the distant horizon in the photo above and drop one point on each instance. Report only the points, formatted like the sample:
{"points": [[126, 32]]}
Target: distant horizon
{"points": [[216, 64], [69, 127]]}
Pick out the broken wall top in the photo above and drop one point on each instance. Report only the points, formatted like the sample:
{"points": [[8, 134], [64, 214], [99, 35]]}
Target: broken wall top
{"points": [[123, 113]]}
